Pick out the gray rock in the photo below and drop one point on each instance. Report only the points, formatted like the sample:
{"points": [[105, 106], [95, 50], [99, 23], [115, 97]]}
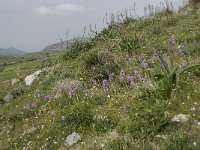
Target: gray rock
{"points": [[72, 139], [8, 98], [181, 118]]}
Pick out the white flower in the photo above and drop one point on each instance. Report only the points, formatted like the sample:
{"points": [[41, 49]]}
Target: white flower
{"points": [[195, 144]]}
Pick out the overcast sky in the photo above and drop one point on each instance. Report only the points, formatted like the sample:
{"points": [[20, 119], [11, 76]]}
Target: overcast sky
{"points": [[30, 25]]}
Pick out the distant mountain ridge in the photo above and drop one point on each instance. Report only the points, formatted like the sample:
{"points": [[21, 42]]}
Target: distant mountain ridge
{"points": [[10, 51], [64, 44]]}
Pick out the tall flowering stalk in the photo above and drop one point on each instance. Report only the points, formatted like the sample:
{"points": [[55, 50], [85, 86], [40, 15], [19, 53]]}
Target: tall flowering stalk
{"points": [[105, 84], [111, 76], [122, 76]]}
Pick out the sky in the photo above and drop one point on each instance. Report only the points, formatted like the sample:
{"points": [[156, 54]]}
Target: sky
{"points": [[30, 25]]}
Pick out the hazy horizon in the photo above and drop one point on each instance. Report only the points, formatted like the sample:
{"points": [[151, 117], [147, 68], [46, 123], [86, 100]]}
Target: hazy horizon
{"points": [[30, 25]]}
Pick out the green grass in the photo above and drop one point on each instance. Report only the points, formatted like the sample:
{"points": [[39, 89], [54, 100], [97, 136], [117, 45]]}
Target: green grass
{"points": [[135, 94]]}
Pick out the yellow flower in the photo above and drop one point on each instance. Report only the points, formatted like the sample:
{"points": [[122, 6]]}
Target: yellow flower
{"points": [[81, 79]]}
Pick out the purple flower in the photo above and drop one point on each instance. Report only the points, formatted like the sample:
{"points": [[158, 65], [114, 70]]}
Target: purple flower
{"points": [[130, 78], [46, 98], [137, 75], [72, 89], [122, 76], [93, 68], [36, 95], [94, 82], [105, 84], [171, 42], [111, 76], [142, 57], [34, 105], [180, 52], [28, 106], [162, 66], [144, 65], [164, 62], [154, 55]]}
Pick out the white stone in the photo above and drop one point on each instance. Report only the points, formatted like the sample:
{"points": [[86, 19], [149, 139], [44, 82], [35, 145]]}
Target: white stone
{"points": [[164, 137], [181, 118], [14, 81], [29, 79], [72, 139]]}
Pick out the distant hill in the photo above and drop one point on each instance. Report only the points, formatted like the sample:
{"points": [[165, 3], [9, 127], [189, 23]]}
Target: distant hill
{"points": [[64, 44], [10, 51]]}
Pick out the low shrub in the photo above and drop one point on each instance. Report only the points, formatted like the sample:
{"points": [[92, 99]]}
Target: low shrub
{"points": [[79, 115], [104, 123], [181, 140], [75, 50], [129, 43], [102, 64], [147, 119]]}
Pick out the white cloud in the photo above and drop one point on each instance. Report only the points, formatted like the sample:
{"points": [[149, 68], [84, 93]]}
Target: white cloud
{"points": [[59, 10]]}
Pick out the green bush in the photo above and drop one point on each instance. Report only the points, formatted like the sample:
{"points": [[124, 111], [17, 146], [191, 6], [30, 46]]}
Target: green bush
{"points": [[180, 140], [79, 115], [104, 62], [129, 43], [75, 50], [117, 144], [156, 30], [147, 119], [18, 91], [104, 123]]}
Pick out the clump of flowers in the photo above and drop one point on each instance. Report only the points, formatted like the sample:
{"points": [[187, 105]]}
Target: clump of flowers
{"points": [[105, 84], [72, 89], [94, 82], [171, 42], [122, 76], [131, 80], [46, 98], [111, 76], [34, 105], [36, 95], [137, 75], [145, 65]]}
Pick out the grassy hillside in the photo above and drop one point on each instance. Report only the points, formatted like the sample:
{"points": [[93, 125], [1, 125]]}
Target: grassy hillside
{"points": [[133, 78]]}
